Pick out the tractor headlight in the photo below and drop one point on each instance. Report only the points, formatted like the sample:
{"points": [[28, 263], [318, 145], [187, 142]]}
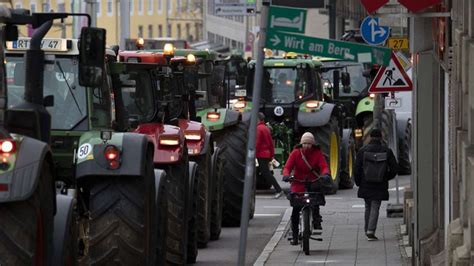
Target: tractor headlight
{"points": [[312, 104], [372, 95], [213, 116], [240, 105], [169, 140], [192, 135], [358, 133]]}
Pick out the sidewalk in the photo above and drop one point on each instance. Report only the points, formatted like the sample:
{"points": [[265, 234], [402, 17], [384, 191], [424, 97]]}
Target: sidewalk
{"points": [[344, 241]]}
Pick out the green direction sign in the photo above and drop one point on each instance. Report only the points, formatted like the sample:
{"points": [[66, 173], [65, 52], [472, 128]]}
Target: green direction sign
{"points": [[328, 48], [287, 19]]}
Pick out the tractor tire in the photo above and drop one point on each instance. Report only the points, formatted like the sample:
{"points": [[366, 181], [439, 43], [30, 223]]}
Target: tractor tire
{"points": [[404, 151], [204, 198], [192, 249], [26, 227], [161, 221], [326, 136], [123, 219], [233, 142], [347, 161], [217, 196], [177, 189], [386, 128]]}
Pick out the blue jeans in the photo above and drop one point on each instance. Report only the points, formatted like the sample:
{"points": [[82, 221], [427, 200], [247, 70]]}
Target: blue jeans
{"points": [[371, 215]]}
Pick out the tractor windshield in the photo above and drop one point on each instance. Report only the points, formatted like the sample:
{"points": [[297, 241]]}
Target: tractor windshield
{"points": [[138, 96], [358, 81], [60, 81], [284, 85]]}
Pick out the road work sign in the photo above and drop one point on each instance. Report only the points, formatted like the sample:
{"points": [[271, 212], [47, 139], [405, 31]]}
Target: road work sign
{"points": [[287, 19], [393, 103], [327, 48], [391, 78], [372, 32]]}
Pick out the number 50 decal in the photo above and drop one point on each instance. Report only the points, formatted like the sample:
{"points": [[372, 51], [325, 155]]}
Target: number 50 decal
{"points": [[84, 150]]}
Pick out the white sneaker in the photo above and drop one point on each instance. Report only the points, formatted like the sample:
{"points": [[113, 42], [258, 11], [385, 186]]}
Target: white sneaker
{"points": [[278, 195]]}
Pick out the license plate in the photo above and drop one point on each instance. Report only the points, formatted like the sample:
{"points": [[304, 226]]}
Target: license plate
{"points": [[240, 93]]}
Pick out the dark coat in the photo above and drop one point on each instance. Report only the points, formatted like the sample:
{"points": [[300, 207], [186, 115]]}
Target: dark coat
{"points": [[374, 191]]}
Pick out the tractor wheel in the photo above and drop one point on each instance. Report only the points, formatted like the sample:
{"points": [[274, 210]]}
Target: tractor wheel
{"points": [[204, 198], [162, 221], [26, 227], [123, 219], [192, 249], [233, 142], [218, 196], [347, 161], [177, 234], [328, 138], [386, 128], [404, 151]]}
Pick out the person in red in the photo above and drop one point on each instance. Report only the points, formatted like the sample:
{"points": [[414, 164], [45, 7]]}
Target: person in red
{"points": [[265, 152], [315, 167]]}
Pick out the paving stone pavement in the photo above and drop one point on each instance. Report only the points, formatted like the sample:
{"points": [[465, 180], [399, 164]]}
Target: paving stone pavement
{"points": [[344, 241]]}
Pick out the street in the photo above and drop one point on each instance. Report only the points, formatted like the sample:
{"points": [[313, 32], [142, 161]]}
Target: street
{"points": [[343, 242]]}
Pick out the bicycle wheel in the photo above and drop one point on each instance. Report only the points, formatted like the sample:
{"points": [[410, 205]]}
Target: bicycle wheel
{"points": [[306, 229]]}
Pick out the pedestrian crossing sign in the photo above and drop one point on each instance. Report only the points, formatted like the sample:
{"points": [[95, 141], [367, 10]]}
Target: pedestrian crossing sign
{"points": [[391, 78]]}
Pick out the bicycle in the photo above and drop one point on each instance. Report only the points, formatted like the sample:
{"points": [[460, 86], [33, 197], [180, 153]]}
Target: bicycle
{"points": [[307, 200]]}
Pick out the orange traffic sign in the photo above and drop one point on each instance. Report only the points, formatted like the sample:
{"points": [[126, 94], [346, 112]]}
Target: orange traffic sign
{"points": [[391, 78]]}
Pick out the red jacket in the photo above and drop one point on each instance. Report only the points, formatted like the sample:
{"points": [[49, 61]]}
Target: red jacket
{"points": [[295, 163], [264, 143]]}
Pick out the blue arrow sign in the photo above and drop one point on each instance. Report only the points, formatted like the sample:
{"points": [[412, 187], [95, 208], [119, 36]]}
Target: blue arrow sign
{"points": [[372, 32]]}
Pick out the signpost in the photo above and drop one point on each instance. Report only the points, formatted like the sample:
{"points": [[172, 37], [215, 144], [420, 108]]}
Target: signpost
{"points": [[327, 48], [235, 7], [287, 19], [372, 32], [391, 78]]}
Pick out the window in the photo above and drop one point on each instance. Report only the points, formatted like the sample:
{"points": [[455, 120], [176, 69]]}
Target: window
{"points": [[132, 5], [140, 31], [61, 7], [168, 31], [188, 32], [188, 6], [150, 31], [140, 7], [210, 7], [160, 30], [98, 8], [150, 7], [110, 8], [33, 7], [18, 5], [178, 6], [46, 6], [168, 6], [160, 6], [179, 31]]}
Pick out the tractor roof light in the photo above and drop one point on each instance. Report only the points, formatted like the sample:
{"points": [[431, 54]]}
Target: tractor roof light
{"points": [[372, 95], [312, 104], [191, 58], [140, 43], [192, 135], [168, 49], [7, 146], [213, 116], [358, 133]]}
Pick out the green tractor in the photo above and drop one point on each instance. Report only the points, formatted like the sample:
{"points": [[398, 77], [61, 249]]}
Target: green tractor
{"points": [[293, 102], [228, 130], [119, 196]]}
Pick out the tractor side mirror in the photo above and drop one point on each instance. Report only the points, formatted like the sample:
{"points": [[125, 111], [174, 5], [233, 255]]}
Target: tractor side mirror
{"points": [[92, 57], [48, 101], [346, 82]]}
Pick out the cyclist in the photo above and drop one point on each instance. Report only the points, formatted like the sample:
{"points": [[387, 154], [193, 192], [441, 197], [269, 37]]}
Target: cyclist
{"points": [[306, 161]]}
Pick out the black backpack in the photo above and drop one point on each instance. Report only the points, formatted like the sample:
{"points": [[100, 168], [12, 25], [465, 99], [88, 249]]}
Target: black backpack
{"points": [[375, 166]]}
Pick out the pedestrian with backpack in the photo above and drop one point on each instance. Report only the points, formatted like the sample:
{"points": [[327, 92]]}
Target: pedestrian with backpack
{"points": [[375, 165]]}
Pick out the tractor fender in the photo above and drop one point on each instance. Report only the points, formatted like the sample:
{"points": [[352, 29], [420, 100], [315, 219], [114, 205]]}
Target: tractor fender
{"points": [[345, 143], [246, 117], [133, 153], [160, 182], [62, 222], [24, 177], [364, 105], [231, 118], [318, 118], [206, 146], [215, 156], [192, 184]]}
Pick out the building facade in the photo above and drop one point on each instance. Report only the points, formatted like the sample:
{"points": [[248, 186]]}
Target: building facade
{"points": [[180, 19]]}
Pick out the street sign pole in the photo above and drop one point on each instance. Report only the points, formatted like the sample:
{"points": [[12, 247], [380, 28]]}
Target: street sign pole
{"points": [[250, 163]]}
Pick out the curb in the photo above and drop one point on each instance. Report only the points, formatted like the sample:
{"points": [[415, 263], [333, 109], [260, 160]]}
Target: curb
{"points": [[270, 247]]}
